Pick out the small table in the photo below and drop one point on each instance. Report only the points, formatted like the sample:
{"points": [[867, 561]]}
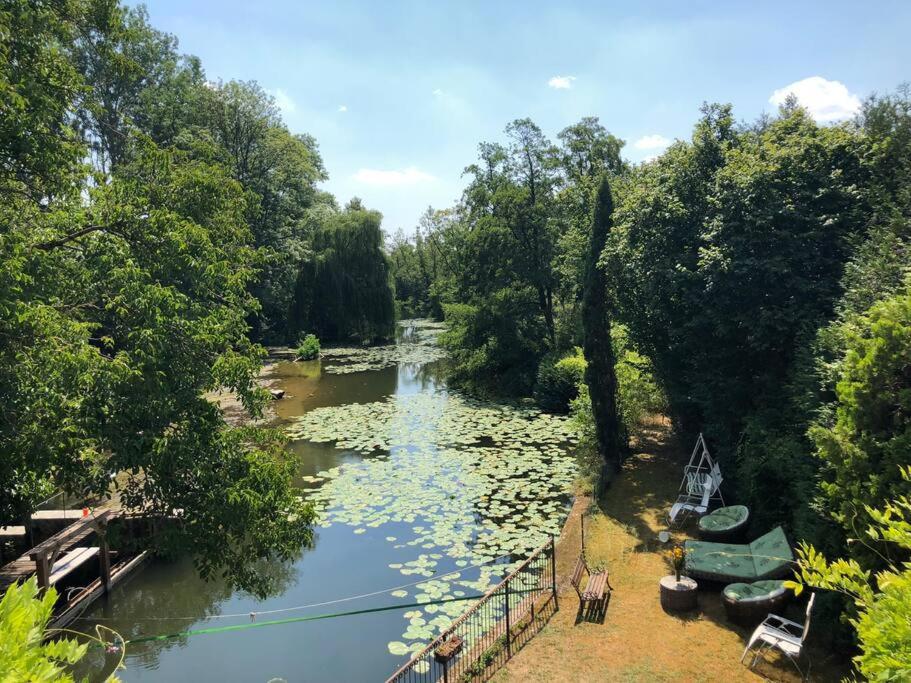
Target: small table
{"points": [[678, 596]]}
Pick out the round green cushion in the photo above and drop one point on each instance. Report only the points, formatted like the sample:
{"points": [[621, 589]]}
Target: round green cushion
{"points": [[760, 590], [725, 518]]}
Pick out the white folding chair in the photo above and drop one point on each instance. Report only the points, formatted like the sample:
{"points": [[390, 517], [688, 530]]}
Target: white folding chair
{"points": [[783, 635]]}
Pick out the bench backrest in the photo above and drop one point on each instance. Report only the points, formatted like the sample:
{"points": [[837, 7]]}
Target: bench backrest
{"points": [[576, 578]]}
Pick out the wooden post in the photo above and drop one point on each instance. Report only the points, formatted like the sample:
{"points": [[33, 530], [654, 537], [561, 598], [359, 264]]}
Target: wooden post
{"points": [[43, 571], [445, 652], [104, 556], [582, 523]]}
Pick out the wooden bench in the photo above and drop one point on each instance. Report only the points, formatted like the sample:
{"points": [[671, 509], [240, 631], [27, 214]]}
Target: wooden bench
{"points": [[597, 586], [71, 562]]}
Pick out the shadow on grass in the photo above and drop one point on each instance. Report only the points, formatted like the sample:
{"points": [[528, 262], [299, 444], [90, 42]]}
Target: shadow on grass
{"points": [[593, 612]]}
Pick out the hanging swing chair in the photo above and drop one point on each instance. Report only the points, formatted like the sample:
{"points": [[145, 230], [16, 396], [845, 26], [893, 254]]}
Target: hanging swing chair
{"points": [[700, 487]]}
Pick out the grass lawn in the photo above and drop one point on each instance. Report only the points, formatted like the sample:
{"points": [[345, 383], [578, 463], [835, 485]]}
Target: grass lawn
{"points": [[638, 641]]}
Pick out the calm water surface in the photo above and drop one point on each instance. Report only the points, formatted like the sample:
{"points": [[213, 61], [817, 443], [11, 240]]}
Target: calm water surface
{"points": [[170, 597]]}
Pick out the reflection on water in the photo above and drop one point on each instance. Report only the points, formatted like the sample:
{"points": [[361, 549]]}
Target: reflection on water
{"points": [[170, 597]]}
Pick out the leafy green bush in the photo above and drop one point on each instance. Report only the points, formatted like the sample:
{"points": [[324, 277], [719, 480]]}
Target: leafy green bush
{"points": [[495, 346], [638, 392], [870, 437], [308, 348], [558, 381], [883, 601], [590, 462], [23, 653]]}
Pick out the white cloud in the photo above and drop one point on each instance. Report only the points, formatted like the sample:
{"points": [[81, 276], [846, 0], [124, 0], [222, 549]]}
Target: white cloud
{"points": [[438, 92], [284, 102], [561, 82], [655, 141], [343, 107], [825, 100], [408, 176]]}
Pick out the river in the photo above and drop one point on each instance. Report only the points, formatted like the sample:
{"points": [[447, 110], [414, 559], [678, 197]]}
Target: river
{"points": [[412, 481]]}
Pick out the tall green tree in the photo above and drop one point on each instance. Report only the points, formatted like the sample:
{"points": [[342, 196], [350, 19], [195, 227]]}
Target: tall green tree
{"points": [[600, 376], [123, 300], [869, 440], [344, 289]]}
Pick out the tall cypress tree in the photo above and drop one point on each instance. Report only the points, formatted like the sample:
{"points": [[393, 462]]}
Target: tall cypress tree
{"points": [[596, 313]]}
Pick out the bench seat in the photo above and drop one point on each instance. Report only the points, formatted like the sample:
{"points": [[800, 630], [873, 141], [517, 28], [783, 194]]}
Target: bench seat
{"points": [[71, 561]]}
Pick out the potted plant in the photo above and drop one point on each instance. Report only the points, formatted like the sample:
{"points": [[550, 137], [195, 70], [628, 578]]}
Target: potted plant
{"points": [[678, 560]]}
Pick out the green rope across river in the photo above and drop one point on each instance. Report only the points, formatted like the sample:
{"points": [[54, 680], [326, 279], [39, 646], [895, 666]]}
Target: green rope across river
{"points": [[291, 620]]}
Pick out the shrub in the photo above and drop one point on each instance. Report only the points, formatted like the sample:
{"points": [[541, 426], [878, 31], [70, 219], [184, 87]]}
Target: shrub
{"points": [[638, 393], [23, 653], [870, 435], [558, 381], [883, 600], [587, 456], [308, 349]]}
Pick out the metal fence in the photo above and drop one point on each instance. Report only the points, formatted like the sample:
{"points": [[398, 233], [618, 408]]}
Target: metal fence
{"points": [[487, 635]]}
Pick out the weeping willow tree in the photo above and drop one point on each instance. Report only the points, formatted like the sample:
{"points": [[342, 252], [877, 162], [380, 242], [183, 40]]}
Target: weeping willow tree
{"points": [[343, 290]]}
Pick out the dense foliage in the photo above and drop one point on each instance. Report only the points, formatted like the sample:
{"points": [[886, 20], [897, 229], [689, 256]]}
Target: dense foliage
{"points": [[154, 225], [343, 288], [308, 347], [883, 599], [757, 274], [24, 616], [557, 384], [869, 438]]}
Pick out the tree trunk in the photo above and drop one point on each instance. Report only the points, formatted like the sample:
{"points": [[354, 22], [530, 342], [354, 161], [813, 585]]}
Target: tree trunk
{"points": [[599, 373]]}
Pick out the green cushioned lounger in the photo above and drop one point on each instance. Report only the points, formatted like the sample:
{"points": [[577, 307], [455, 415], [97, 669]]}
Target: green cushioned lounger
{"points": [[768, 557]]}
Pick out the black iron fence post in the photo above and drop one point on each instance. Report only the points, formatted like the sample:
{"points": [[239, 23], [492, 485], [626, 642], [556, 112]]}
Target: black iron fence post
{"points": [[508, 626], [553, 571]]}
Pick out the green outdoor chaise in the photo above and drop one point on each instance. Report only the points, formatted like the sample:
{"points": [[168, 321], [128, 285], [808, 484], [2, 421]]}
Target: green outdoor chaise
{"points": [[768, 557], [724, 524]]}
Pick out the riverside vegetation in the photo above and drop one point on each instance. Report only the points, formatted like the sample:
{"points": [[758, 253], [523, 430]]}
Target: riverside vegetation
{"points": [[757, 287], [752, 282]]}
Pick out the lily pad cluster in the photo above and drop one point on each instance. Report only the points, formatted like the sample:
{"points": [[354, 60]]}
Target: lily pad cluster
{"points": [[479, 483], [417, 343]]}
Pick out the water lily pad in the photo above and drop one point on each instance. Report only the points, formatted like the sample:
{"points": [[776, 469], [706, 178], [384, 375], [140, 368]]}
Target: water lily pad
{"points": [[466, 482], [397, 648]]}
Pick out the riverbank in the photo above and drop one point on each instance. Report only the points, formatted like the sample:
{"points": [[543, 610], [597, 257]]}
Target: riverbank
{"points": [[638, 641]]}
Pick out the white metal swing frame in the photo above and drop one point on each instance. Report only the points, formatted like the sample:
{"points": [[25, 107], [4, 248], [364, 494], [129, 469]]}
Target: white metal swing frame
{"points": [[700, 486]]}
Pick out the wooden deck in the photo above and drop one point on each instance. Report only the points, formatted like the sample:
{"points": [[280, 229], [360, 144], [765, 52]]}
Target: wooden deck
{"points": [[52, 560], [11, 572], [26, 565]]}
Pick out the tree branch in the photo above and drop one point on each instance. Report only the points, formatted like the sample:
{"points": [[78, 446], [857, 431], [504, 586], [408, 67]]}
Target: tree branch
{"points": [[76, 234]]}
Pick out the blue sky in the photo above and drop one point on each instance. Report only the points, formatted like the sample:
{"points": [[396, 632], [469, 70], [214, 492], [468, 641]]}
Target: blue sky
{"points": [[399, 94]]}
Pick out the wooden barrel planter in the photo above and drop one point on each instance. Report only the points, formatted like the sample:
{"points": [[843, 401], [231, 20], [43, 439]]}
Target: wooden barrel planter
{"points": [[678, 596]]}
